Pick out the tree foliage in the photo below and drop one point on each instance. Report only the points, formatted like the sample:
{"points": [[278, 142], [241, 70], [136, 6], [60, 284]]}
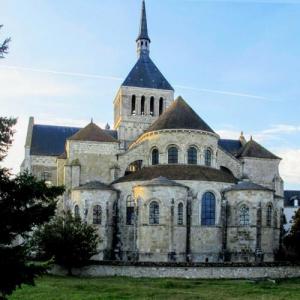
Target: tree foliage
{"points": [[66, 239], [4, 46], [292, 240], [25, 203]]}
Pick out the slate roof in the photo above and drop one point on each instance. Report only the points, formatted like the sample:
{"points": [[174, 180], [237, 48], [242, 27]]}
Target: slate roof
{"points": [[179, 172], [92, 133], [179, 115], [162, 181], [143, 34], [290, 196], [145, 74], [94, 185], [49, 140], [231, 146], [253, 149], [247, 185]]}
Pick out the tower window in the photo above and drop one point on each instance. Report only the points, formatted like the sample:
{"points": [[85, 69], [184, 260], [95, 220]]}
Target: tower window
{"points": [[97, 214], [154, 213], [143, 105], [142, 43], [161, 105], [192, 156], [173, 155], [133, 102], [152, 106], [208, 209], [155, 157]]}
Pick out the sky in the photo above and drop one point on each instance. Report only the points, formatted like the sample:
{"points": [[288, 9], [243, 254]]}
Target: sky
{"points": [[235, 62]]}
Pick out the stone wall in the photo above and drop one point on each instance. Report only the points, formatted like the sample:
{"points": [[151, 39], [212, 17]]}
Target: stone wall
{"points": [[203, 272]]}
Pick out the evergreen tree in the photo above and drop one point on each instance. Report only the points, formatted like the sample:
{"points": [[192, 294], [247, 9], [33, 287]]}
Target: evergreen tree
{"points": [[66, 239], [25, 203], [4, 46], [292, 240]]}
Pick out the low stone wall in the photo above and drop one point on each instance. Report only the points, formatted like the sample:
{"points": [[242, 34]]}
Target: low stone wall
{"points": [[202, 272]]}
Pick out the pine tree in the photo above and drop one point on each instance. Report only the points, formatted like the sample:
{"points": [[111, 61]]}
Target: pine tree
{"points": [[66, 239], [4, 46], [25, 203]]}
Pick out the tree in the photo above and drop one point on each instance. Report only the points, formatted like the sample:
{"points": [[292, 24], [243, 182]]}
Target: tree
{"points": [[68, 240], [25, 203], [4, 46], [292, 240]]}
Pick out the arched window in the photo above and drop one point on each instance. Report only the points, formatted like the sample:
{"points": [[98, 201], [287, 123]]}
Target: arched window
{"points": [[180, 214], [129, 211], [244, 216], [207, 157], [97, 214], [152, 106], [154, 213], [192, 156], [76, 211], [143, 105], [173, 155], [155, 157], [275, 219], [269, 215], [161, 105], [208, 209], [133, 102]]}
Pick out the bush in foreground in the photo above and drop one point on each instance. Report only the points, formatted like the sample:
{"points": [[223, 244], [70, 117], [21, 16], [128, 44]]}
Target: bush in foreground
{"points": [[66, 239]]}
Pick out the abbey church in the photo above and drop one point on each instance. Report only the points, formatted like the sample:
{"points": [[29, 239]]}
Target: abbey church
{"points": [[162, 186]]}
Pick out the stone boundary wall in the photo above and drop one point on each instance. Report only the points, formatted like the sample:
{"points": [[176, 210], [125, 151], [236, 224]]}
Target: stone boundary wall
{"points": [[203, 272]]}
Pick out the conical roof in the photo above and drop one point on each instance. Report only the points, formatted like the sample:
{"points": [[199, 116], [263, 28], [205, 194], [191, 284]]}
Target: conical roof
{"points": [[92, 133], [179, 116], [254, 149]]}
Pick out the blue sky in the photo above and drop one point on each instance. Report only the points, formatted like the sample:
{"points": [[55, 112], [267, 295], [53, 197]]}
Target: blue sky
{"points": [[235, 62]]}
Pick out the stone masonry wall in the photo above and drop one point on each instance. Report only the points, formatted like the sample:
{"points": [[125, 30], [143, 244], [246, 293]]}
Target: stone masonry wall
{"points": [[184, 272]]}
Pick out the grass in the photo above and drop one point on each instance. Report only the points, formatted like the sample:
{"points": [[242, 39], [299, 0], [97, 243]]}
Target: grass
{"points": [[72, 288]]}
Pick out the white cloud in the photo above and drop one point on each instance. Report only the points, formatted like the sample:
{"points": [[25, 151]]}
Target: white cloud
{"points": [[274, 133], [290, 165], [20, 84]]}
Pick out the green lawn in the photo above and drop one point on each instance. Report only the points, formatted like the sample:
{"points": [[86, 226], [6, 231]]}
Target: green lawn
{"points": [[68, 288]]}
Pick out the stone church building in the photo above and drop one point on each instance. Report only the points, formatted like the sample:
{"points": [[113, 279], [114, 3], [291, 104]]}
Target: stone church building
{"points": [[162, 185]]}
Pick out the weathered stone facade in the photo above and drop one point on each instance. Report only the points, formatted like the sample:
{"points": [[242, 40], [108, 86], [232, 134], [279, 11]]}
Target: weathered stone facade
{"points": [[162, 186]]}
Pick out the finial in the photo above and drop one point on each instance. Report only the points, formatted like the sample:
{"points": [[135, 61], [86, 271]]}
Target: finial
{"points": [[242, 138], [92, 121], [251, 138]]}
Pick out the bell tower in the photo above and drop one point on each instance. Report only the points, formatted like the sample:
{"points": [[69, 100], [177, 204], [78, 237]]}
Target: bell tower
{"points": [[145, 93]]}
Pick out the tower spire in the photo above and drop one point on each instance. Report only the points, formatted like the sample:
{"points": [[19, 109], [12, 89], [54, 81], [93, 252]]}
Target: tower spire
{"points": [[143, 41]]}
